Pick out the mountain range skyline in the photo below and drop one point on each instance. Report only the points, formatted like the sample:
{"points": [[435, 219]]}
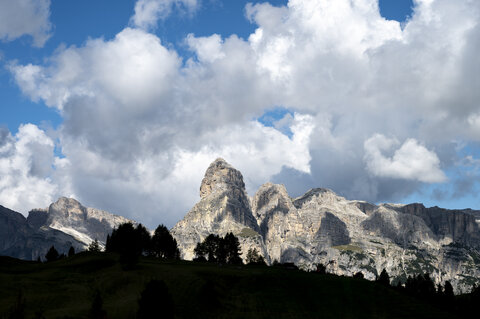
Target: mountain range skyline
{"points": [[123, 105]]}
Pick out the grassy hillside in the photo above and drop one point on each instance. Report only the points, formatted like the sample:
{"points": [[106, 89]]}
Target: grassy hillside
{"points": [[65, 289]]}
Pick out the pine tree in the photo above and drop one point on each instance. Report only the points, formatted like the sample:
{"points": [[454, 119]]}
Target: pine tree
{"points": [[253, 257], [384, 278], [232, 249], [52, 254], [448, 290], [71, 251], [164, 245], [93, 247]]}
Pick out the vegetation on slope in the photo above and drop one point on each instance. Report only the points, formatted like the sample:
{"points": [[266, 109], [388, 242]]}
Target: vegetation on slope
{"points": [[68, 288]]}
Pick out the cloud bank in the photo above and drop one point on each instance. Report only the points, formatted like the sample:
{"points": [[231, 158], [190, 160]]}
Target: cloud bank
{"points": [[378, 110], [25, 17]]}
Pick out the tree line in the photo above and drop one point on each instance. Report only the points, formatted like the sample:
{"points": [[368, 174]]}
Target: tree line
{"points": [[131, 242]]}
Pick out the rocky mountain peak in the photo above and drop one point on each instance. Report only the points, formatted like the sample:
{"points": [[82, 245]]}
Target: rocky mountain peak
{"points": [[219, 177], [66, 207]]}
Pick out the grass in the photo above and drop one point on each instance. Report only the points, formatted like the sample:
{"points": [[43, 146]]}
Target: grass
{"points": [[65, 289], [349, 248], [248, 232]]}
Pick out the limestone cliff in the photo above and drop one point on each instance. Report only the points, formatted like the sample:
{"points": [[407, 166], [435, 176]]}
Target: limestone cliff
{"points": [[224, 207], [66, 223], [345, 235]]}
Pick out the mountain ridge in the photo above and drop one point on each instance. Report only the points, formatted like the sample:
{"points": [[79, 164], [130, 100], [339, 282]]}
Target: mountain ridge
{"points": [[348, 236], [65, 223]]}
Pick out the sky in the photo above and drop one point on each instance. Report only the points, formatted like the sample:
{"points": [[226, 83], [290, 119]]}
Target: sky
{"points": [[124, 104]]}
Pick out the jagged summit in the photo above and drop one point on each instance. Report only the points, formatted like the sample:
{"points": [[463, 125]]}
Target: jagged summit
{"points": [[224, 207], [221, 176], [348, 236]]}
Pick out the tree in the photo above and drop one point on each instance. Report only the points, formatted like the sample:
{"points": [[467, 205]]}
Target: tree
{"points": [[384, 278], [52, 254], [129, 241], [358, 275], [163, 245], [321, 269], [155, 301], [220, 250], [93, 247], [144, 239], [448, 290], [231, 249], [71, 251], [253, 257], [200, 252]]}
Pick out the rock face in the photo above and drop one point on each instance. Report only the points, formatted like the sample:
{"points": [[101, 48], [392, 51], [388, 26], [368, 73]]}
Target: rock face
{"points": [[224, 207], [21, 240], [85, 224], [64, 224], [345, 235]]}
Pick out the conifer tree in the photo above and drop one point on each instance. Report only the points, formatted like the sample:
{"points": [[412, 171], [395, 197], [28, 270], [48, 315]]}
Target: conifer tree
{"points": [[52, 254], [163, 244]]}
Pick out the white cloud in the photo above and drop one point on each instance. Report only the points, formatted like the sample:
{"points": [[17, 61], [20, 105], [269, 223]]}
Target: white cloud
{"points": [[25, 17], [136, 117], [411, 161], [148, 12], [208, 49], [26, 166]]}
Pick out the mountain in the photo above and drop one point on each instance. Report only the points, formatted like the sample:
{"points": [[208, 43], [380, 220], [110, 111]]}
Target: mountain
{"points": [[347, 236], [224, 207], [63, 224]]}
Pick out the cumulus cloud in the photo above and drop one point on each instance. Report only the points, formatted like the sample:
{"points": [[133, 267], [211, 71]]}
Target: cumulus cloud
{"points": [[26, 161], [25, 17], [411, 161], [148, 12], [141, 125]]}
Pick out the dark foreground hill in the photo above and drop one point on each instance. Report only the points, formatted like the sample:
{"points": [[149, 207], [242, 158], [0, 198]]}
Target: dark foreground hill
{"points": [[66, 289]]}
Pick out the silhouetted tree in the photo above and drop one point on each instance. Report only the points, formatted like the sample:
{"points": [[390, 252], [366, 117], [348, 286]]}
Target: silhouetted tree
{"points": [[96, 310], [129, 241], [448, 290], [163, 244], [253, 257], [155, 301], [359, 275], [440, 289], [217, 249], [231, 249], [144, 239], [52, 254], [71, 251], [384, 278], [93, 247], [200, 252], [321, 269], [421, 285]]}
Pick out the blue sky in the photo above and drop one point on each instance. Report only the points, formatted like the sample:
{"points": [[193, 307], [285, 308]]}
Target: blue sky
{"points": [[279, 89]]}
